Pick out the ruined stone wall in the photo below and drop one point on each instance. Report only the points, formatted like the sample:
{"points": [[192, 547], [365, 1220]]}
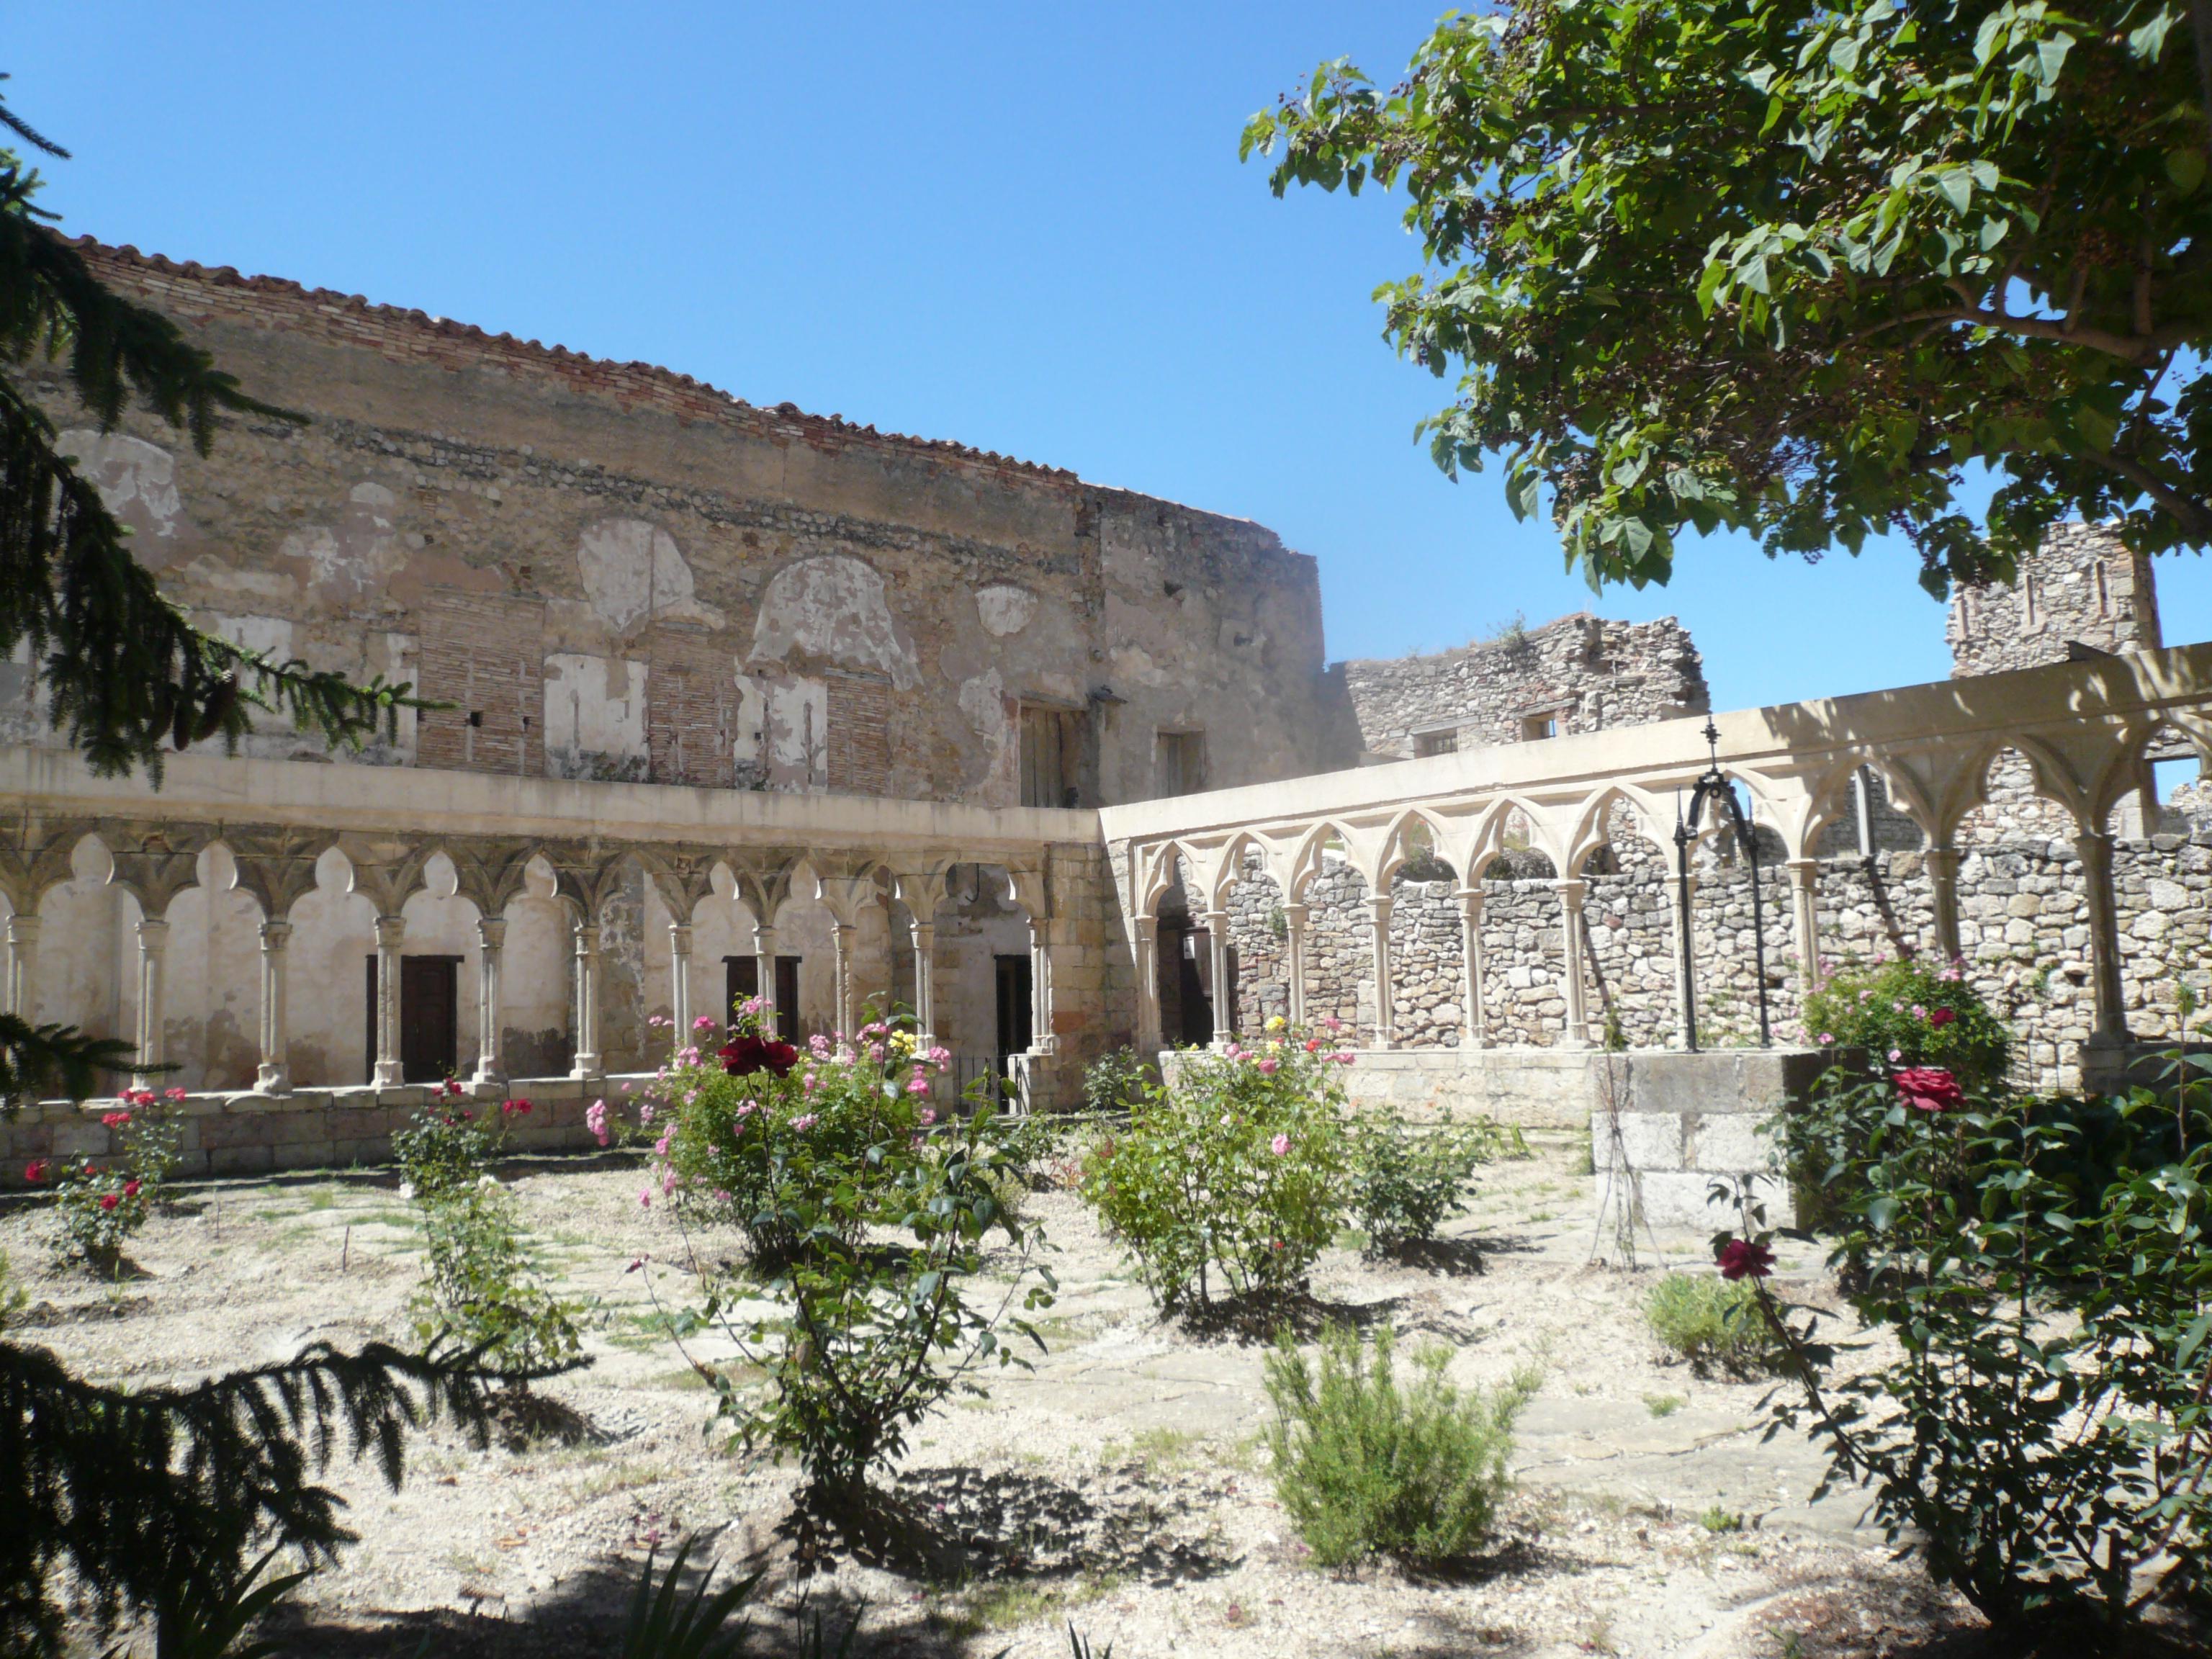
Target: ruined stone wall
{"points": [[2081, 586], [1581, 672], [612, 571]]}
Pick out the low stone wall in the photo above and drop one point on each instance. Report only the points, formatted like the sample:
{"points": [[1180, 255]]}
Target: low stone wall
{"points": [[313, 1129], [1686, 1120]]}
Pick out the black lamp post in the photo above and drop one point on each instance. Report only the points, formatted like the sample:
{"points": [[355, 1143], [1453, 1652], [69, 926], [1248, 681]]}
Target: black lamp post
{"points": [[1715, 787]]}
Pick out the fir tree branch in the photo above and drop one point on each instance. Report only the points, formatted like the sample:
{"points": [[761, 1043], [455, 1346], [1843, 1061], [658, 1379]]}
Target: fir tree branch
{"points": [[142, 1493], [40, 1060]]}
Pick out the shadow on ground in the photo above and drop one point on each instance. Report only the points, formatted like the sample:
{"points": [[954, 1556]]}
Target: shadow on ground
{"points": [[953, 1528]]}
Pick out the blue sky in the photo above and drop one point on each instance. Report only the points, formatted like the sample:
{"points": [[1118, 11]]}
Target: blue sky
{"points": [[1024, 226]]}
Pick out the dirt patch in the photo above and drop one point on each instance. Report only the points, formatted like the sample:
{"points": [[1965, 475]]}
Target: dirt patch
{"points": [[1120, 1485]]}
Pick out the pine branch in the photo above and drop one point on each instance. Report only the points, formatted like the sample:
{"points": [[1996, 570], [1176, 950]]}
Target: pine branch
{"points": [[142, 1493], [23, 129], [38, 1060]]}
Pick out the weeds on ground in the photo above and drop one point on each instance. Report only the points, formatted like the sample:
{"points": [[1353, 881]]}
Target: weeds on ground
{"points": [[1366, 1464], [1715, 1325]]}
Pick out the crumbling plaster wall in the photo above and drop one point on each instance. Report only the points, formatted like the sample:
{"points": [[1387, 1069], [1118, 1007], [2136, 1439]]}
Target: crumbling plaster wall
{"points": [[610, 570]]}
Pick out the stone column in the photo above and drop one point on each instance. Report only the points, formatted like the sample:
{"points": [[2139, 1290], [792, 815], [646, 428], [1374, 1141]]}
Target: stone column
{"points": [[22, 959], [491, 939], [1470, 923], [275, 1076], [1571, 894], [679, 981], [388, 1072], [1679, 887], [587, 1062], [1217, 951], [1042, 1039], [1295, 918], [1943, 887], [841, 938], [1805, 915], [924, 934], [152, 950], [1145, 945], [764, 972], [1386, 1035], [2096, 855]]}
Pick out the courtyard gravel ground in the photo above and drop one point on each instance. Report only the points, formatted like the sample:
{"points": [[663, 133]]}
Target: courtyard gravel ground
{"points": [[1121, 1486]]}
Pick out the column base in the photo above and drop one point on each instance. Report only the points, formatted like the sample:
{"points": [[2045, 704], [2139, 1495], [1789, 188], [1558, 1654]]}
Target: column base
{"points": [[587, 1067], [272, 1080], [388, 1074]]}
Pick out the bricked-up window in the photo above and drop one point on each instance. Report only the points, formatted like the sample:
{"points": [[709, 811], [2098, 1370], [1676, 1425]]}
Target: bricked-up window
{"points": [[1537, 726], [860, 736], [1435, 742], [1052, 750], [484, 655], [1179, 763]]}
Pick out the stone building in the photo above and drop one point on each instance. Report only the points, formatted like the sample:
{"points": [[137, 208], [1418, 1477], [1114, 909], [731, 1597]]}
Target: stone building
{"points": [[1578, 673], [612, 574], [743, 702]]}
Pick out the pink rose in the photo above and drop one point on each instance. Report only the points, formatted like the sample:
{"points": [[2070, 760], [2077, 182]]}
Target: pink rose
{"points": [[1928, 1088], [1280, 1145], [1268, 1067]]}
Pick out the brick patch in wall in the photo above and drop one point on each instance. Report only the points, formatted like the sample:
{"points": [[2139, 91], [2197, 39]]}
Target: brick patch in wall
{"points": [[485, 655], [859, 735]]}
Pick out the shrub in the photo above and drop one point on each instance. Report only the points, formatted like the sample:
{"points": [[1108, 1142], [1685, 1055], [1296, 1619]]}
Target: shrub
{"points": [[1909, 1012], [2042, 1266], [1713, 1324], [100, 1206], [1365, 1465], [1406, 1180], [1240, 1167], [479, 1290], [1115, 1081], [759, 1133], [811, 1155]]}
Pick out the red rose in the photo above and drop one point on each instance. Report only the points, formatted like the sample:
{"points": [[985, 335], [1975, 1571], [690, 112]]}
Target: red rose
{"points": [[1739, 1258], [1939, 1018], [514, 1107], [108, 1201], [743, 1056], [35, 1171], [129, 1190], [116, 1120], [1928, 1088]]}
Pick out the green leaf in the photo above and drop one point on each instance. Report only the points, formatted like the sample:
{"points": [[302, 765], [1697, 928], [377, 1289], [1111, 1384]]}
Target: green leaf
{"points": [[2186, 168]]}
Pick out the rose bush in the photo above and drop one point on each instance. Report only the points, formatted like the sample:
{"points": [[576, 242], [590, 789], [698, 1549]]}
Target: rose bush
{"points": [[1239, 1168], [2046, 1437], [1909, 1012], [868, 1217], [99, 1206]]}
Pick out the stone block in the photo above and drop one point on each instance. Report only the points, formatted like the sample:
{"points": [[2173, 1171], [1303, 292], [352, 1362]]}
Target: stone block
{"points": [[1731, 1141], [1682, 1199], [1651, 1140]]}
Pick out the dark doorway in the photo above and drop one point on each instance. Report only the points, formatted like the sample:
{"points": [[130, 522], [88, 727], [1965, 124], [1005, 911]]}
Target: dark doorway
{"points": [[1186, 1006], [1014, 989], [742, 976], [429, 1017]]}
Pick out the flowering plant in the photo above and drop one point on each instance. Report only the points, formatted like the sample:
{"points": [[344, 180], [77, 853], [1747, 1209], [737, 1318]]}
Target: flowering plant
{"points": [[2044, 1436], [753, 1134], [1912, 1013], [100, 1206], [1237, 1166], [817, 1155]]}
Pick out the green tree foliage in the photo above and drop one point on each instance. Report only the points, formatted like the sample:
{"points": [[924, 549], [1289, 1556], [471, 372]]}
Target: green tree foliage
{"points": [[1794, 269]]}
